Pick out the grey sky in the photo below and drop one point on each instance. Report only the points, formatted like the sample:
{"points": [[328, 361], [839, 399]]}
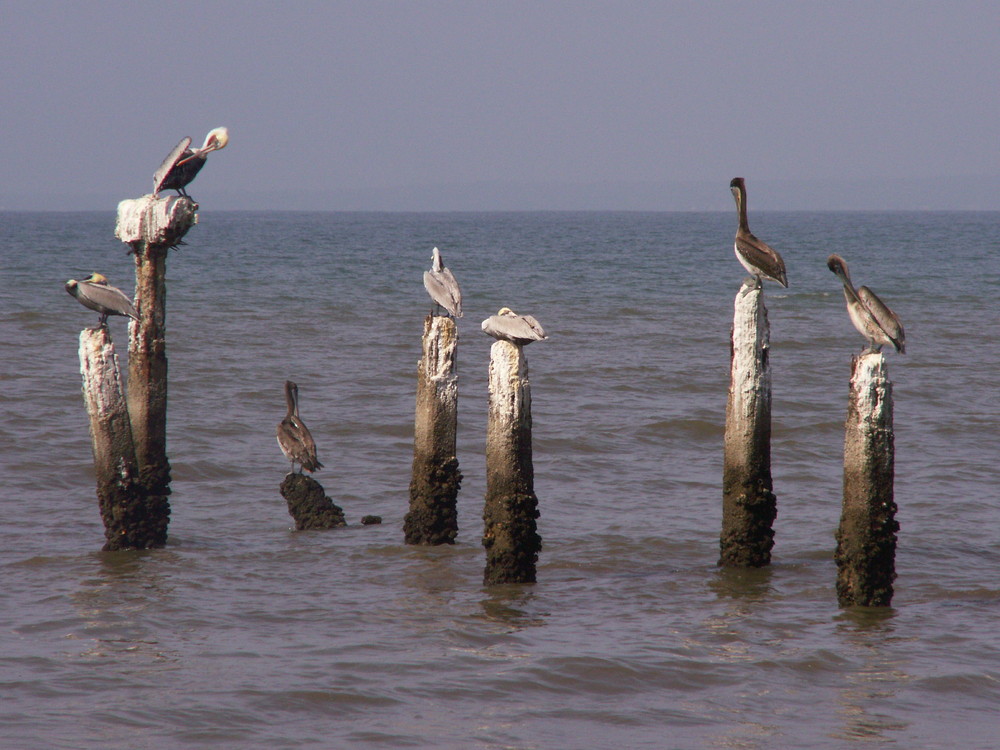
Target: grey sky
{"points": [[457, 105]]}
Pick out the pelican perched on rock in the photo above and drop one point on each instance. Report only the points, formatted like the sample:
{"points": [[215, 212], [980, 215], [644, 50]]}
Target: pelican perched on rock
{"points": [[96, 293], [509, 326], [183, 164], [294, 438], [440, 283], [870, 315], [756, 256]]}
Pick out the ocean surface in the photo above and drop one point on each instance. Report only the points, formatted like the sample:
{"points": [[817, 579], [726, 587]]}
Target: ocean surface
{"points": [[243, 633]]}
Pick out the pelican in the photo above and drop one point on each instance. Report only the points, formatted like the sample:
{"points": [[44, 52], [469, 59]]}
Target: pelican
{"points": [[182, 164], [294, 438], [96, 293], [756, 256], [509, 326], [870, 315], [440, 283]]}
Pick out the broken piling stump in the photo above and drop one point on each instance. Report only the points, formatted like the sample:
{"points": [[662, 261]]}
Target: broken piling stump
{"points": [[866, 538], [309, 505], [132, 519], [510, 535], [150, 226], [432, 517], [748, 503]]}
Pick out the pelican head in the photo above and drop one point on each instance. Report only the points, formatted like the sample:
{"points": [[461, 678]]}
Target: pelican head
{"points": [[215, 140], [506, 311], [436, 263], [838, 265], [737, 186], [94, 278]]}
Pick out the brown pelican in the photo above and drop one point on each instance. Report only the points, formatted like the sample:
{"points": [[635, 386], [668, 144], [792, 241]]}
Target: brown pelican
{"points": [[509, 326], [440, 283], [182, 164], [756, 256], [96, 293], [294, 438], [870, 315]]}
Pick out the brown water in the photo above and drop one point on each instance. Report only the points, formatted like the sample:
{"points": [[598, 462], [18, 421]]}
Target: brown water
{"points": [[245, 634]]}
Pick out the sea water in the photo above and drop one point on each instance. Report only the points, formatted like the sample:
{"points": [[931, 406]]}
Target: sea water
{"points": [[242, 633]]}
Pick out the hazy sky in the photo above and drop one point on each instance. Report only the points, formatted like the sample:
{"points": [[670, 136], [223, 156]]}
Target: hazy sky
{"points": [[456, 105]]}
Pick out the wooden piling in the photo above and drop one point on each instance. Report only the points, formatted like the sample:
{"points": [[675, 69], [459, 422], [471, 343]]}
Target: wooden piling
{"points": [[510, 535], [151, 226], [866, 539], [748, 503], [432, 517], [130, 520]]}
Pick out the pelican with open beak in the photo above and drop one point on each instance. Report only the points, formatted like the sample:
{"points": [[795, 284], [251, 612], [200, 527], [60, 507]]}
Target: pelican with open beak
{"points": [[183, 163]]}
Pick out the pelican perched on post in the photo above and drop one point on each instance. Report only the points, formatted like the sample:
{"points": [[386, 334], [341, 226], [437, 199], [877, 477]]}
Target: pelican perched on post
{"points": [[183, 164], [756, 256], [96, 293], [440, 283], [294, 438], [509, 326], [870, 315]]}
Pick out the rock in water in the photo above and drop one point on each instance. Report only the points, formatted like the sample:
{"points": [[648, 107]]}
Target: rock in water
{"points": [[309, 505]]}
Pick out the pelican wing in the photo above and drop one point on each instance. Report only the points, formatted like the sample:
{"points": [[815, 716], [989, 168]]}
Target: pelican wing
{"points": [[172, 158], [443, 289], [297, 443], [106, 299], [518, 329], [762, 257], [886, 319], [535, 326]]}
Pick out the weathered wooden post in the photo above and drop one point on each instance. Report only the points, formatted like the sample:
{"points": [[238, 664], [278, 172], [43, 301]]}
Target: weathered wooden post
{"points": [[122, 498], [748, 504], [510, 536], [151, 226], [866, 539], [432, 518]]}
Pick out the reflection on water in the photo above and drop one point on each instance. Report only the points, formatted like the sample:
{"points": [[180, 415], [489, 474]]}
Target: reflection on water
{"points": [[874, 684], [743, 584], [508, 604], [118, 602]]}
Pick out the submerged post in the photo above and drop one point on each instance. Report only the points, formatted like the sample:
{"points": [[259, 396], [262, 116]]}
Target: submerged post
{"points": [[748, 504], [128, 522], [866, 539], [151, 226], [432, 518], [511, 535]]}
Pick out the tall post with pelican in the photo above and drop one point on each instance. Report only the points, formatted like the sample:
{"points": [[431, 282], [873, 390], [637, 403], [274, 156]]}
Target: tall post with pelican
{"points": [[749, 505], [510, 533], [432, 517], [150, 226], [866, 537]]}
